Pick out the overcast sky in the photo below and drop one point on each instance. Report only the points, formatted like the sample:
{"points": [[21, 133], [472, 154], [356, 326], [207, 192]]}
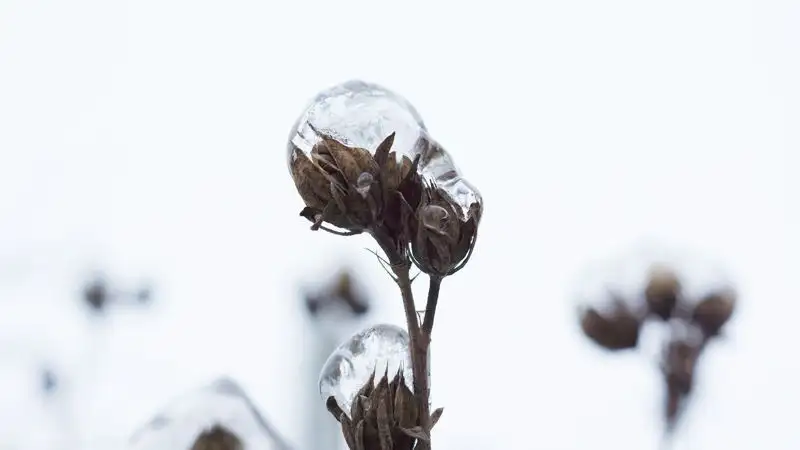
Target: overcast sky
{"points": [[148, 137]]}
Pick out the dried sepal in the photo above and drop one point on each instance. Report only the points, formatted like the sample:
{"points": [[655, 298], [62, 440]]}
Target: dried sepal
{"points": [[359, 436], [334, 408], [384, 424], [417, 433], [348, 431], [435, 416]]}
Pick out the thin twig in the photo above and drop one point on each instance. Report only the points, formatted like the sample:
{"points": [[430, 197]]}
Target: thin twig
{"points": [[430, 306], [418, 349]]}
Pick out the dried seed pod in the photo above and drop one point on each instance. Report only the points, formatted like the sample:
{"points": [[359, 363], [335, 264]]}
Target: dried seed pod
{"points": [[615, 329], [443, 240], [662, 291], [387, 419], [217, 438], [713, 311]]}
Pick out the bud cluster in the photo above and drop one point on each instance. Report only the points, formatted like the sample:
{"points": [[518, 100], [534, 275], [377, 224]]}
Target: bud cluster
{"points": [[692, 321]]}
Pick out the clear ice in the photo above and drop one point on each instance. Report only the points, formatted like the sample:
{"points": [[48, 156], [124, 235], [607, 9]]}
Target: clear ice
{"points": [[349, 367], [223, 402], [363, 114]]}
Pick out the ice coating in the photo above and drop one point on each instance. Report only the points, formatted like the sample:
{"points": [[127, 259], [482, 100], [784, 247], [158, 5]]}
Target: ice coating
{"points": [[351, 364], [358, 114], [361, 114], [222, 402]]}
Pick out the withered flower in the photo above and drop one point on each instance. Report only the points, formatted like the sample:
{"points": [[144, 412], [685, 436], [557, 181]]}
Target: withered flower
{"points": [[353, 190], [443, 236], [615, 329], [217, 438], [662, 292], [385, 416]]}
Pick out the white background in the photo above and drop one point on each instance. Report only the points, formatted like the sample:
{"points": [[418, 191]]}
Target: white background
{"points": [[149, 137]]}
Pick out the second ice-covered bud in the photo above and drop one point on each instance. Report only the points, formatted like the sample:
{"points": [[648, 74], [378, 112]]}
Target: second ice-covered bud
{"points": [[380, 348], [443, 236]]}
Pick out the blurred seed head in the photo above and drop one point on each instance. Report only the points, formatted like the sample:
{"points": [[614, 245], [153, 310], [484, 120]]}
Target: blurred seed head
{"points": [[713, 311], [342, 290], [616, 328], [662, 291], [217, 438]]}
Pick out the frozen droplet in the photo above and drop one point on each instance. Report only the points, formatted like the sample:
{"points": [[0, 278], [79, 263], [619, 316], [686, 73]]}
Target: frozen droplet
{"points": [[351, 364], [223, 403], [361, 114], [358, 114]]}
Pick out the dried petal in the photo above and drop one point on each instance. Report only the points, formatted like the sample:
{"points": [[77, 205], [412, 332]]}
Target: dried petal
{"points": [[334, 407], [417, 433], [359, 435], [435, 416], [384, 425], [347, 432]]}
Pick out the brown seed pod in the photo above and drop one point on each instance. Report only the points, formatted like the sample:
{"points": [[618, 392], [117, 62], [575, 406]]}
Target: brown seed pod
{"points": [[713, 311], [662, 291], [615, 329]]}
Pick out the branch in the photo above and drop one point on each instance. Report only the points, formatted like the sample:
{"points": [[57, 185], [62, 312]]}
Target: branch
{"points": [[418, 349], [430, 306]]}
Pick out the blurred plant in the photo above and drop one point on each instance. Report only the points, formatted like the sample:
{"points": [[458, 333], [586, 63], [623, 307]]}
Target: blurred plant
{"points": [[362, 161], [219, 416], [334, 310], [692, 317], [98, 295], [217, 438]]}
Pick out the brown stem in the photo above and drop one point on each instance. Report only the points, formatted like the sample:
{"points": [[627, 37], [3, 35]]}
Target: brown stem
{"points": [[418, 347], [430, 306]]}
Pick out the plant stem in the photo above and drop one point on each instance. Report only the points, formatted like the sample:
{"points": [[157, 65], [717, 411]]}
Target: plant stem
{"points": [[418, 349], [430, 306]]}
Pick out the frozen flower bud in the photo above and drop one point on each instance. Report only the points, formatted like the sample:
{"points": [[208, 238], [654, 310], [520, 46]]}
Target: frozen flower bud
{"points": [[662, 291], [615, 327], [444, 237], [713, 311], [351, 158]]}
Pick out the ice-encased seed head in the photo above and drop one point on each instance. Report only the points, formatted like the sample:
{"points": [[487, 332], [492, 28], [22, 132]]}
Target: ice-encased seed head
{"points": [[358, 120], [443, 235], [385, 415], [380, 348]]}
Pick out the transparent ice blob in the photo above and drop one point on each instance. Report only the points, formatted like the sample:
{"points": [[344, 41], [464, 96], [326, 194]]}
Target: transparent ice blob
{"points": [[224, 403], [351, 364], [361, 114]]}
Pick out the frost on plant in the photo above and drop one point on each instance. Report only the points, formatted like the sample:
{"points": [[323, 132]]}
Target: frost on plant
{"points": [[377, 349], [363, 161]]}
